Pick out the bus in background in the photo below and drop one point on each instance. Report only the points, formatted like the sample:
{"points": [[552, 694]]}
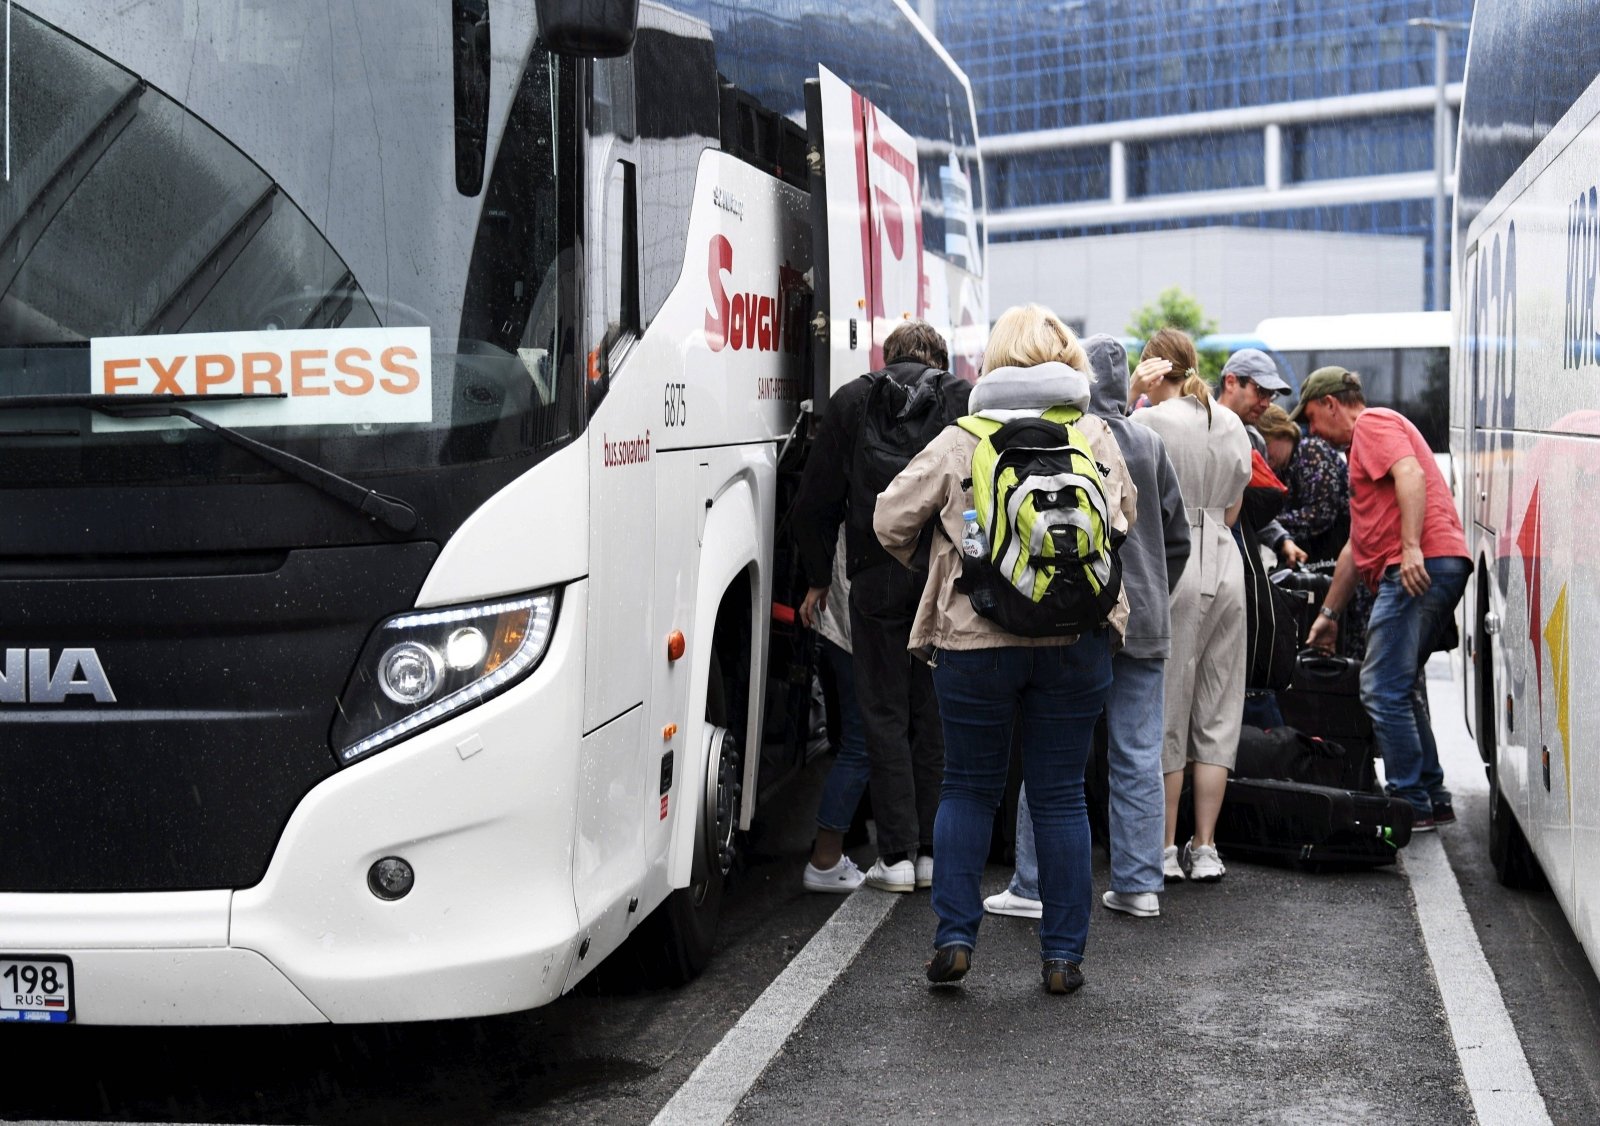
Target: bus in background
{"points": [[392, 434], [1403, 360], [1525, 420]]}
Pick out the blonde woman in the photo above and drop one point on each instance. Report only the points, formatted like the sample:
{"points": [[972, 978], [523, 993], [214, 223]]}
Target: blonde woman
{"points": [[1206, 672], [984, 676]]}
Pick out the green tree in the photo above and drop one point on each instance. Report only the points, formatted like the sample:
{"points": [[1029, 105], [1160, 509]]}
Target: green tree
{"points": [[1173, 308]]}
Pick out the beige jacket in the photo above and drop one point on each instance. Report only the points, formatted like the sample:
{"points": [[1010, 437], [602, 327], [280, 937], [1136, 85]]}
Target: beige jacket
{"points": [[932, 485]]}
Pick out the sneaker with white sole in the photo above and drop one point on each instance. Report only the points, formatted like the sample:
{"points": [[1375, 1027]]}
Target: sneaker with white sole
{"points": [[1141, 904], [1171, 869], [842, 879], [899, 876], [1009, 903], [924, 872], [1203, 863]]}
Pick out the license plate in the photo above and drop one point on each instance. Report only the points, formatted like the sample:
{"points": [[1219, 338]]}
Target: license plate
{"points": [[35, 989]]}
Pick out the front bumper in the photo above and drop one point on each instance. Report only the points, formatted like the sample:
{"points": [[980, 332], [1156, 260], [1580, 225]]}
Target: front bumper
{"points": [[481, 806]]}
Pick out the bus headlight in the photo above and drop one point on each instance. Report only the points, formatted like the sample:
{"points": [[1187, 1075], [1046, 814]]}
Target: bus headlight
{"points": [[422, 667]]}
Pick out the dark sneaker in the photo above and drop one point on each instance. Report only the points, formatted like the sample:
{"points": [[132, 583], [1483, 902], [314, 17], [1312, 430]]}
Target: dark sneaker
{"points": [[1424, 823], [1061, 976], [949, 965], [1444, 814]]}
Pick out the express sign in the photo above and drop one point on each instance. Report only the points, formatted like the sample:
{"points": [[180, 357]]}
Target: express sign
{"points": [[329, 376]]}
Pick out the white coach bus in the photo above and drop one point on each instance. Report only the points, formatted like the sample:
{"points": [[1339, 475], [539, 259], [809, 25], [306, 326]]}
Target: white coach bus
{"points": [[394, 398], [1525, 427]]}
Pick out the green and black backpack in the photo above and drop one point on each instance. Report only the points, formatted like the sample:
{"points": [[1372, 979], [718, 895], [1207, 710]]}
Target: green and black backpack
{"points": [[1052, 565]]}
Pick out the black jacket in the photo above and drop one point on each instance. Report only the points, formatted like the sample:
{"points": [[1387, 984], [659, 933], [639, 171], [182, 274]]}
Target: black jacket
{"points": [[821, 504]]}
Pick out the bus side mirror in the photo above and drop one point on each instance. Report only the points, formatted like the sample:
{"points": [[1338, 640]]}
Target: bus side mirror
{"points": [[596, 29]]}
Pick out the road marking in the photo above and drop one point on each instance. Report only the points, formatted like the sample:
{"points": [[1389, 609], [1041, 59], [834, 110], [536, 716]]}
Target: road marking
{"points": [[1496, 1070], [713, 1092], [1492, 1060]]}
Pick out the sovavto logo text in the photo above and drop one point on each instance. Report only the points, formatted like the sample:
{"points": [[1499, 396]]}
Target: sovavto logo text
{"points": [[29, 677]]}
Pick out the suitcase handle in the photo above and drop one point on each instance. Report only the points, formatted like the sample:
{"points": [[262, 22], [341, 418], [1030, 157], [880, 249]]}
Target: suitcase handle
{"points": [[1321, 660]]}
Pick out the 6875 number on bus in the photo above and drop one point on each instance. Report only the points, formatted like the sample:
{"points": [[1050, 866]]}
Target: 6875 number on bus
{"points": [[35, 990]]}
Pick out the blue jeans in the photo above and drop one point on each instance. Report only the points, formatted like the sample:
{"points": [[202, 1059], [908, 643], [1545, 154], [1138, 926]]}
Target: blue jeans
{"points": [[1400, 635], [1138, 797], [847, 778], [1060, 690]]}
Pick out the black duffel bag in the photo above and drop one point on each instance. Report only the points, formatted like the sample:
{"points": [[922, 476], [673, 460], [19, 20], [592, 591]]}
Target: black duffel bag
{"points": [[1291, 755]]}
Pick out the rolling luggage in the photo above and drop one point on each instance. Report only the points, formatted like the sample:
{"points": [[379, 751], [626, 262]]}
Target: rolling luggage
{"points": [[1293, 756], [1324, 699], [1313, 826]]}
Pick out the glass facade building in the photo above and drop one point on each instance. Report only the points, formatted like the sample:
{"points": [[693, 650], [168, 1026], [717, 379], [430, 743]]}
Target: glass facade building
{"points": [[1058, 64]]}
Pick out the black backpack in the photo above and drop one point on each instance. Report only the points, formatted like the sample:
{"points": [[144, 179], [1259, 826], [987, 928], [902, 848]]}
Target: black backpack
{"points": [[898, 420]]}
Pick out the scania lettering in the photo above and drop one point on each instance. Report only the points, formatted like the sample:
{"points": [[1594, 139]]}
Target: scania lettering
{"points": [[1525, 428], [399, 404]]}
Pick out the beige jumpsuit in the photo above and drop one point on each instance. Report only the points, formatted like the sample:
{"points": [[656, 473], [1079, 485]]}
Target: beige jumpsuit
{"points": [[1205, 674]]}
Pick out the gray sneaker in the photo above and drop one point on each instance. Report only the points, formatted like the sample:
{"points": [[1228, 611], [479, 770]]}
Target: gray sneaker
{"points": [[1203, 863]]}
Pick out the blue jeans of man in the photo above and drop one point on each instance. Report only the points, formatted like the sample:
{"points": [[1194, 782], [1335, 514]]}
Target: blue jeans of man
{"points": [[1401, 634], [1134, 709], [847, 778], [1058, 690]]}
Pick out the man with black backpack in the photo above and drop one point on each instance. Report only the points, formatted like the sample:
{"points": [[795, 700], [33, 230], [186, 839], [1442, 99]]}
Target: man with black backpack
{"points": [[873, 426]]}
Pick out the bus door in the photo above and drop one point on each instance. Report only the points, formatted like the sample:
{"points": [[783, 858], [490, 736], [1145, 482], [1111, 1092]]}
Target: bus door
{"points": [[867, 220]]}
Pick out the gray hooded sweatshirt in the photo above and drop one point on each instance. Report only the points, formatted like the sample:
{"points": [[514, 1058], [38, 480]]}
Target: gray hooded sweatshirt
{"points": [[1157, 547]]}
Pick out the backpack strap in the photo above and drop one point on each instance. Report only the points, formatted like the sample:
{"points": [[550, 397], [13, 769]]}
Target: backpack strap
{"points": [[978, 426]]}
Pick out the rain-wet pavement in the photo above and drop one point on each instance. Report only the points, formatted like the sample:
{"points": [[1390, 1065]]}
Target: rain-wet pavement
{"points": [[1275, 996]]}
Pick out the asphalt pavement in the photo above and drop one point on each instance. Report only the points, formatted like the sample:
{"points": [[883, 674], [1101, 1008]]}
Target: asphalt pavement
{"points": [[1275, 996]]}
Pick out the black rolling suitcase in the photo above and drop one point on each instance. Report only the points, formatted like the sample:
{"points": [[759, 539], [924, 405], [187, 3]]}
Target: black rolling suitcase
{"points": [[1313, 826], [1324, 699]]}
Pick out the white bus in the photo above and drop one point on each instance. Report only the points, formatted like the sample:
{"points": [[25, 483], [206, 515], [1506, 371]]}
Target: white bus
{"points": [[1403, 359], [1525, 423], [392, 408]]}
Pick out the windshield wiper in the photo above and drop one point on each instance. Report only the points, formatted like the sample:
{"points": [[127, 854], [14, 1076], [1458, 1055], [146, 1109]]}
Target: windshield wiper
{"points": [[392, 511]]}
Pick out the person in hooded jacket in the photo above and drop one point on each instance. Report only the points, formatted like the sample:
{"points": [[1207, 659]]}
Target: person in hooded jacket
{"points": [[985, 677], [1206, 671], [894, 691], [1153, 558]]}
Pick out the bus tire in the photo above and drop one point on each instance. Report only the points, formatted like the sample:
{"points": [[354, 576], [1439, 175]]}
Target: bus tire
{"points": [[1515, 866], [688, 919]]}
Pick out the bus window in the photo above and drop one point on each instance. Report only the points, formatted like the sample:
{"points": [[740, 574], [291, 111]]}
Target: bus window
{"points": [[1375, 366], [1424, 393]]}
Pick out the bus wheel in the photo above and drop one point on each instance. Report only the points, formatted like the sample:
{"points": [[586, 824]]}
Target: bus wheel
{"points": [[689, 916], [1514, 863]]}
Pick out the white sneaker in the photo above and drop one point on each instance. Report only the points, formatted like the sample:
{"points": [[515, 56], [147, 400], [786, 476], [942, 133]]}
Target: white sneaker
{"points": [[924, 872], [1008, 904], [1203, 863], [843, 878], [1171, 869], [1142, 904], [900, 876]]}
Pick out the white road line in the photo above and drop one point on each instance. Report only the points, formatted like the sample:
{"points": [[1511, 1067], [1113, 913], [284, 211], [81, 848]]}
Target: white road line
{"points": [[1492, 1060], [713, 1092], [1497, 1073]]}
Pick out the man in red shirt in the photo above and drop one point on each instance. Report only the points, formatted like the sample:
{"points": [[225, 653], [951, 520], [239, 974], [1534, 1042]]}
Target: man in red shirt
{"points": [[1407, 545]]}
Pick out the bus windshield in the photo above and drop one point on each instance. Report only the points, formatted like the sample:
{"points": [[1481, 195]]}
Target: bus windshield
{"points": [[235, 191]]}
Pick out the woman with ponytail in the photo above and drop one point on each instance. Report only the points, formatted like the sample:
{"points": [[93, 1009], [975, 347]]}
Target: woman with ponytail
{"points": [[1206, 672]]}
